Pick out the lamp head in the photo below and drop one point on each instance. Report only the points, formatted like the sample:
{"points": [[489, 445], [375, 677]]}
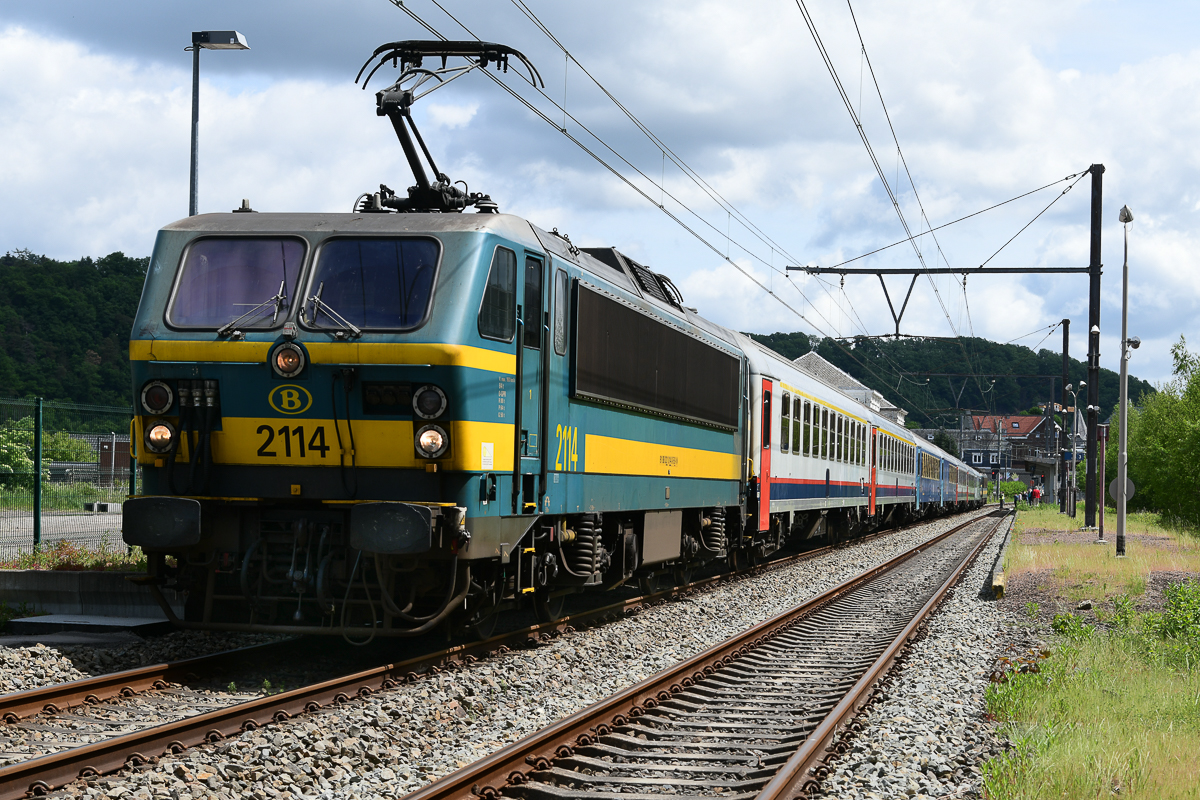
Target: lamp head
{"points": [[1135, 342], [1070, 387], [1096, 329], [1082, 384], [219, 40], [1126, 214]]}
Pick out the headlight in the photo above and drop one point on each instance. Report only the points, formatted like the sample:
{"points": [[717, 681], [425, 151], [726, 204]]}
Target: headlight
{"points": [[157, 397], [429, 402], [160, 436], [287, 361], [432, 441]]}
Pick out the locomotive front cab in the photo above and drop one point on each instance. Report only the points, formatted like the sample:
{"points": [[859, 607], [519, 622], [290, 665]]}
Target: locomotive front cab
{"points": [[315, 404]]}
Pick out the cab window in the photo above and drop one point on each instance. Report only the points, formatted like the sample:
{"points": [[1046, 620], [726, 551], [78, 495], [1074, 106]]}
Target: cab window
{"points": [[248, 279], [497, 314], [373, 283]]}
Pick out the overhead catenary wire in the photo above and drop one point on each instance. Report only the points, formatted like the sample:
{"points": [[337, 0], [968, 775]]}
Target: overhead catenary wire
{"points": [[674, 217], [911, 238], [561, 129]]}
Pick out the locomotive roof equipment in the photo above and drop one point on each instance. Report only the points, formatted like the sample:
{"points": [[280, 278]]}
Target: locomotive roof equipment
{"points": [[395, 103]]}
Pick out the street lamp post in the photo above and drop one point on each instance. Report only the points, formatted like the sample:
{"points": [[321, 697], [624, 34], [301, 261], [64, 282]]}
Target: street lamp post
{"points": [[205, 40], [1127, 347], [1072, 489]]}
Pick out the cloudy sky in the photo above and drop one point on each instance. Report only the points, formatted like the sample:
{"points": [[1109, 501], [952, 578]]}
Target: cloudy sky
{"points": [[988, 101]]}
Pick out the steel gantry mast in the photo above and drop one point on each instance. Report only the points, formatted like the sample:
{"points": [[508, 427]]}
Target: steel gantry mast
{"points": [[1094, 270]]}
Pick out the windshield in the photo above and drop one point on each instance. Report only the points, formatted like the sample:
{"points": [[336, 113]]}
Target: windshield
{"points": [[372, 283], [224, 278]]}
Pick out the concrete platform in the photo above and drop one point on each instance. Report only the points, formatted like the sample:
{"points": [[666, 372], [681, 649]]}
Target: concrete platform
{"points": [[71, 638], [86, 623], [82, 593]]}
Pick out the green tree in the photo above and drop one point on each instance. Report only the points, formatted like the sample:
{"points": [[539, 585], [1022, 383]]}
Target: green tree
{"points": [[64, 326], [945, 441], [1164, 444], [16, 467]]}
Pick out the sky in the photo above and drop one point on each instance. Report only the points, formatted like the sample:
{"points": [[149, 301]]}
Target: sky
{"points": [[987, 101]]}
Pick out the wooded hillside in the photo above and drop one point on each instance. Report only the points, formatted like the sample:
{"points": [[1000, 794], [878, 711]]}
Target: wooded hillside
{"points": [[64, 335], [64, 326], [884, 365]]}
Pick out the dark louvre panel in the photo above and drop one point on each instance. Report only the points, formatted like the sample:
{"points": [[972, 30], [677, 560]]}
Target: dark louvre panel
{"points": [[627, 357]]}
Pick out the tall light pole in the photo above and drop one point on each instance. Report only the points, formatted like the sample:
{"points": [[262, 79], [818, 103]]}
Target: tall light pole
{"points": [[1127, 347], [205, 40], [1072, 489]]}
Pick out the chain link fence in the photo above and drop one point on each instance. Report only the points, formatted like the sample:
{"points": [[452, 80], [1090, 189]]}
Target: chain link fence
{"points": [[85, 475]]}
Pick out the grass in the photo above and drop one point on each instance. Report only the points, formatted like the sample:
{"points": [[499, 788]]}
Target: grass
{"points": [[1079, 569], [61, 496], [63, 555], [18, 611], [1108, 714], [1114, 711]]}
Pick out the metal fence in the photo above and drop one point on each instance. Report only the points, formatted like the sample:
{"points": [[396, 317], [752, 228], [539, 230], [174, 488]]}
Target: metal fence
{"points": [[65, 469]]}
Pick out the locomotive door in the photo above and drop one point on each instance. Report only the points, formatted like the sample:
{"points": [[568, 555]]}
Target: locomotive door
{"points": [[530, 447], [874, 450]]}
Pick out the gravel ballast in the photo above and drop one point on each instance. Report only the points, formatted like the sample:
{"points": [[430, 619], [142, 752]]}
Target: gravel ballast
{"points": [[396, 741], [927, 736], [24, 668]]}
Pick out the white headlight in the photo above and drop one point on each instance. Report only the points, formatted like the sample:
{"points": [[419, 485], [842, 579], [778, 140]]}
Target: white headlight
{"points": [[159, 437], [432, 441]]}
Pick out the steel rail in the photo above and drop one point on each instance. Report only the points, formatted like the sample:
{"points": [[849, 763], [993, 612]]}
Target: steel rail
{"points": [[59, 697], [513, 764], [800, 774], [42, 774]]}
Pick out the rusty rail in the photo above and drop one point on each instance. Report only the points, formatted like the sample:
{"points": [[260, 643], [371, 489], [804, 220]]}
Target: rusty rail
{"points": [[513, 764], [43, 774]]}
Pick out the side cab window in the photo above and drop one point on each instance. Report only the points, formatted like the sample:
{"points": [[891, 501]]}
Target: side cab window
{"points": [[498, 312]]}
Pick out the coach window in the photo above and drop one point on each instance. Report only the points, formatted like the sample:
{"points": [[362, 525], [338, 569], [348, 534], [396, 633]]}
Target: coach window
{"points": [[785, 429], [766, 420], [807, 426], [841, 438], [533, 303], [496, 316], [825, 433], [796, 425], [560, 312]]}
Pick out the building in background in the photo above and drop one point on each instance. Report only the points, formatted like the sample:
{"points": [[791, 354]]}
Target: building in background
{"points": [[827, 373]]}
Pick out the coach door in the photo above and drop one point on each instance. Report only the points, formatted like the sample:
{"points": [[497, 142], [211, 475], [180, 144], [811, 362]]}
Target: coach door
{"points": [[764, 460], [874, 451], [528, 481]]}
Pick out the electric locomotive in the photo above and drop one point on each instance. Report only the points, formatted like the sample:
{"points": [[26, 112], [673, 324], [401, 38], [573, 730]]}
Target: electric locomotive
{"points": [[380, 422]]}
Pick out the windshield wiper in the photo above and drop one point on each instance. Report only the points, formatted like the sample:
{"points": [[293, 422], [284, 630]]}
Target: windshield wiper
{"points": [[278, 300], [333, 315]]}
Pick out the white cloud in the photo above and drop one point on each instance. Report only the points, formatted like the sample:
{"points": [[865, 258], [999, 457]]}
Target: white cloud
{"points": [[445, 115], [987, 100]]}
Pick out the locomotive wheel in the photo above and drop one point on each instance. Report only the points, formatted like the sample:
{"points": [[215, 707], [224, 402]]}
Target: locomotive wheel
{"points": [[683, 574], [482, 625], [547, 608], [649, 584]]}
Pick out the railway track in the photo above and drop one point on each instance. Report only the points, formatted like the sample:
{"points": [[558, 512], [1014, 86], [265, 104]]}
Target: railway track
{"points": [[759, 715], [87, 728]]}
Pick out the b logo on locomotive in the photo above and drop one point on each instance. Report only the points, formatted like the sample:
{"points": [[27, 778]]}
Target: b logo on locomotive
{"points": [[290, 399]]}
